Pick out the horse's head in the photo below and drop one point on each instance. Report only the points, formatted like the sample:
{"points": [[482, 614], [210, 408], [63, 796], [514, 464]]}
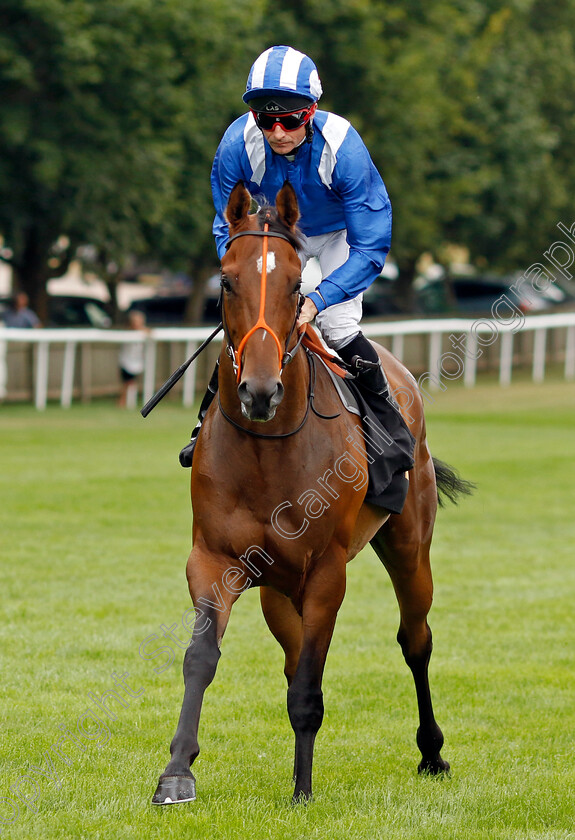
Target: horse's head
{"points": [[261, 279]]}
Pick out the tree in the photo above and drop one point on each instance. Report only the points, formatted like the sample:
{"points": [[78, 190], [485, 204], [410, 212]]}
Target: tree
{"points": [[466, 111], [85, 135], [510, 144], [215, 43], [112, 111]]}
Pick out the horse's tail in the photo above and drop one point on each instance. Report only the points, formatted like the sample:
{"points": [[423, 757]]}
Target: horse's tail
{"points": [[449, 483]]}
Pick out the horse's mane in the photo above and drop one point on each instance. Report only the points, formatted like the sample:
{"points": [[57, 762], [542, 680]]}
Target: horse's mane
{"points": [[294, 237]]}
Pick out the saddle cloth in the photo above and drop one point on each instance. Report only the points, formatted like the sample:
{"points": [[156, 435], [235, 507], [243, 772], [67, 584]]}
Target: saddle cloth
{"points": [[389, 445]]}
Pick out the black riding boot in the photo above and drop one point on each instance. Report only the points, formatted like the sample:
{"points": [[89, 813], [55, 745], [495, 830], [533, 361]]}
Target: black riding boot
{"points": [[370, 376], [187, 453], [389, 485]]}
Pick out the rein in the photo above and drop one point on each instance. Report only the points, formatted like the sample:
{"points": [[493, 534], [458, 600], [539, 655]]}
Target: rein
{"points": [[284, 356]]}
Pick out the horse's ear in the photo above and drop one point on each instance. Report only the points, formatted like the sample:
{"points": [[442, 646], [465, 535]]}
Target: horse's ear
{"points": [[238, 205], [287, 206]]}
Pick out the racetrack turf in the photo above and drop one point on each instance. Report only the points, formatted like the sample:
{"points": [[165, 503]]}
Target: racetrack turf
{"points": [[94, 533]]}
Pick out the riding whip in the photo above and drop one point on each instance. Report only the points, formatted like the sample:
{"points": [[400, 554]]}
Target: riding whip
{"points": [[176, 375]]}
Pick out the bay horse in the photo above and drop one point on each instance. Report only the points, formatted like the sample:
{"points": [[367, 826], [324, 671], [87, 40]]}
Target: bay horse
{"points": [[278, 500]]}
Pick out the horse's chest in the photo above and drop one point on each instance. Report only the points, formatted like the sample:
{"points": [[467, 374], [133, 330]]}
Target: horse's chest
{"points": [[287, 520]]}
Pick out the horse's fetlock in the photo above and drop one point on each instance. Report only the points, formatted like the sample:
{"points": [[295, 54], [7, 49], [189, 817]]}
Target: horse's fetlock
{"points": [[430, 741]]}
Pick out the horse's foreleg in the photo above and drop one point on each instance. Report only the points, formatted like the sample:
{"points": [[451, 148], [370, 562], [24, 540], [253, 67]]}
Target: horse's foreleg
{"points": [[177, 783], [322, 598], [412, 581]]}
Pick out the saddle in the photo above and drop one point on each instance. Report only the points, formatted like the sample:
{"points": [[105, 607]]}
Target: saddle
{"points": [[389, 444]]}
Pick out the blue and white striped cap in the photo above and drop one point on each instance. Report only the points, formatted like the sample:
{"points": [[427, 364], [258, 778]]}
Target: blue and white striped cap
{"points": [[283, 70]]}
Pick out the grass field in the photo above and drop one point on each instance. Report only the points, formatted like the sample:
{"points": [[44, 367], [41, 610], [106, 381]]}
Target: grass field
{"points": [[95, 531]]}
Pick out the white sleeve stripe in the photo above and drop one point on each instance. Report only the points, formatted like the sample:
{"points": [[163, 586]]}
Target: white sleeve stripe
{"points": [[290, 68], [255, 149], [334, 133]]}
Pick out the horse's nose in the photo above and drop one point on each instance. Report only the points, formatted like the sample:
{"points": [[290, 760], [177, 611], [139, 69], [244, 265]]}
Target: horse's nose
{"points": [[259, 400]]}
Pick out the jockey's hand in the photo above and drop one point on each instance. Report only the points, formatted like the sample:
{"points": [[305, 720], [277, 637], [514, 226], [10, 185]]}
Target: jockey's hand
{"points": [[308, 312]]}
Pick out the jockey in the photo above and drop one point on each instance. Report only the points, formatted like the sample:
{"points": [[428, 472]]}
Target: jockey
{"points": [[344, 206]]}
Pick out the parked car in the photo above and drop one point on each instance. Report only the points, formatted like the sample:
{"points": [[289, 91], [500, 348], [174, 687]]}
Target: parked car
{"points": [[71, 311], [470, 295], [463, 295], [76, 311], [162, 310], [381, 299]]}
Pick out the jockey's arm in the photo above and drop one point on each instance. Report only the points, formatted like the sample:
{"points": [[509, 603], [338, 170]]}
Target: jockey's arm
{"points": [[367, 211]]}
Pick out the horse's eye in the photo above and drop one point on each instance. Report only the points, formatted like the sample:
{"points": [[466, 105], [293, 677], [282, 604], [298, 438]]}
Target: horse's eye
{"points": [[297, 287], [226, 283]]}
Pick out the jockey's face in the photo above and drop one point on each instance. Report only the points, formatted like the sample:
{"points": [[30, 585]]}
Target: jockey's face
{"points": [[284, 142]]}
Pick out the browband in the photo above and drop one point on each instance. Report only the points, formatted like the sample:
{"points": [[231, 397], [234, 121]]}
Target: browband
{"points": [[255, 233]]}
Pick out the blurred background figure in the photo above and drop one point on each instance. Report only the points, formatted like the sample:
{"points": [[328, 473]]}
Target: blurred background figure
{"points": [[131, 361], [20, 315]]}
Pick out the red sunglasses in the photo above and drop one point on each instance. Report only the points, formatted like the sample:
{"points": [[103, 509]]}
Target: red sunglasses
{"points": [[289, 122]]}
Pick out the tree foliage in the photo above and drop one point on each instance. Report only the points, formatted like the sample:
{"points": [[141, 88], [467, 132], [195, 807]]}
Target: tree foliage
{"points": [[112, 111], [453, 100]]}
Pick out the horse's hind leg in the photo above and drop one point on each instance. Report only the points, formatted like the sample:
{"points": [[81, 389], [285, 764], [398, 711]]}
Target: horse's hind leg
{"points": [[409, 569], [286, 625], [322, 597]]}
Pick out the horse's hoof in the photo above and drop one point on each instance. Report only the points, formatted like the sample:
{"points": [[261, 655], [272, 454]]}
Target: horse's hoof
{"points": [[434, 767], [172, 790]]}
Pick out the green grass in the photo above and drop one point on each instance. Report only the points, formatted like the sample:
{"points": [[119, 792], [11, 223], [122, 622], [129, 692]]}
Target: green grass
{"points": [[95, 531]]}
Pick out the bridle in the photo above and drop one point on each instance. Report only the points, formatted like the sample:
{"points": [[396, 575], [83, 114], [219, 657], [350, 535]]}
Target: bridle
{"points": [[310, 406], [284, 355]]}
